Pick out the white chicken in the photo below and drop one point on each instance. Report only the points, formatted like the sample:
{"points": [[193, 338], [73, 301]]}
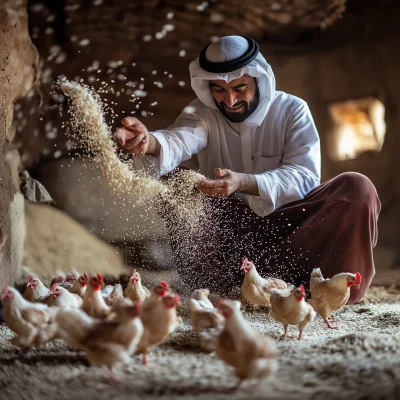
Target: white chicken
{"points": [[93, 303], [291, 309], [135, 290], [201, 295], [253, 356], [61, 297], [35, 290], [105, 342], [33, 323]]}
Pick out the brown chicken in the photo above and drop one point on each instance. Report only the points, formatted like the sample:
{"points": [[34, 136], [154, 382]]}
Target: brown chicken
{"points": [[116, 296], [72, 277], [106, 343], [61, 297], [58, 278], [328, 295], [33, 323], [205, 319], [80, 285], [159, 321], [252, 355], [255, 289], [135, 290], [35, 290], [93, 303], [157, 292], [291, 309]]}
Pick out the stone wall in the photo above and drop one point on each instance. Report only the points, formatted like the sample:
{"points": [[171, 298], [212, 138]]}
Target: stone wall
{"points": [[18, 66]]}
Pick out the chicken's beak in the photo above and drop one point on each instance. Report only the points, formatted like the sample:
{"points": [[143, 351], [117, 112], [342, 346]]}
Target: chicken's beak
{"points": [[357, 285]]}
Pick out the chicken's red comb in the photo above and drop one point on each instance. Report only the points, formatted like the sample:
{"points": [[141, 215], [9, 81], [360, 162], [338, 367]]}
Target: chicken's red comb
{"points": [[85, 275], [100, 277], [5, 289], [301, 287], [30, 278], [358, 276], [165, 284], [245, 261], [54, 285], [134, 272]]}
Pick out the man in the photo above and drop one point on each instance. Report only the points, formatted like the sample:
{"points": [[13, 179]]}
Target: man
{"points": [[263, 149]]}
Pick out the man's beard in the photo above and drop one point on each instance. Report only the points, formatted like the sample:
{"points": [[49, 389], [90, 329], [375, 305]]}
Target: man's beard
{"points": [[240, 116]]}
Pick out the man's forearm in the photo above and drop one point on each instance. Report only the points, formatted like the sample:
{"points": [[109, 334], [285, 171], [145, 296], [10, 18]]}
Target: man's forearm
{"points": [[249, 185], [154, 148]]}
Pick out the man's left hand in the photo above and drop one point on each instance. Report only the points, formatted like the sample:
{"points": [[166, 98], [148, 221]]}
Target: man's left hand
{"points": [[226, 183]]}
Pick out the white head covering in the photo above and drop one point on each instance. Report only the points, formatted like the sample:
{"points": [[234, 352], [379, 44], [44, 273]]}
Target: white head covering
{"points": [[226, 49]]}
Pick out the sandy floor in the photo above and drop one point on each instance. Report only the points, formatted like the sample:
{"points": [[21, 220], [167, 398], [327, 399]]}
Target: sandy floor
{"points": [[360, 361]]}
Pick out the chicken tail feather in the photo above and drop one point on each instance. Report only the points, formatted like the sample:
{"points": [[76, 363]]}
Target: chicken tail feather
{"points": [[316, 273]]}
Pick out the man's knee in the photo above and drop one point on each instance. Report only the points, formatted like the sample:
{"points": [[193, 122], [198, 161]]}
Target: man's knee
{"points": [[356, 188]]}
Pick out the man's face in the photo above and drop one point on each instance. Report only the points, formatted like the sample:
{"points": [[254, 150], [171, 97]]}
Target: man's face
{"points": [[237, 99]]}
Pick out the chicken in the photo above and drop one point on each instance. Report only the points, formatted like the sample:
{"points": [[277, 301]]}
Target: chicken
{"points": [[58, 278], [72, 277], [205, 319], [135, 290], [115, 297], [328, 295], [35, 289], [80, 285], [107, 290], [93, 303], [61, 297], [159, 321], [255, 289], [105, 342], [201, 295], [253, 356], [291, 309], [33, 323], [157, 292]]}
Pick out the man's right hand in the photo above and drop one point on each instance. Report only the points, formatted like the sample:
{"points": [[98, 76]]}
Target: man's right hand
{"points": [[133, 137]]}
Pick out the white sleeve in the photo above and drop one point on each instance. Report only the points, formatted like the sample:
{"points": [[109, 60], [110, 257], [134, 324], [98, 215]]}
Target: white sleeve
{"points": [[185, 137], [300, 169]]}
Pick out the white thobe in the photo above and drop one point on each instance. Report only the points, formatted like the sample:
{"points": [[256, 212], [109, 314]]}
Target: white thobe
{"points": [[282, 152]]}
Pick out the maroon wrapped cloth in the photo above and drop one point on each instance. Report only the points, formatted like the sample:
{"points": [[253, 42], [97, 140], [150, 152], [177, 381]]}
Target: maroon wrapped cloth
{"points": [[334, 228]]}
